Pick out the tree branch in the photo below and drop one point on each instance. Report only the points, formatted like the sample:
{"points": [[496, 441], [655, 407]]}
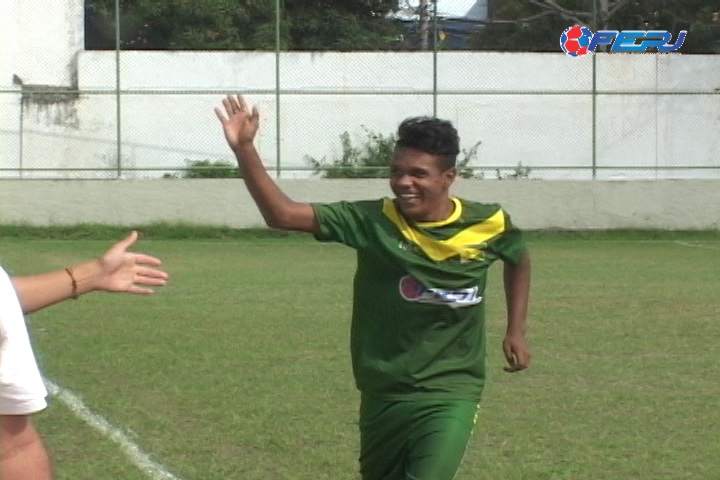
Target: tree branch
{"points": [[620, 4], [493, 21], [572, 15], [526, 19]]}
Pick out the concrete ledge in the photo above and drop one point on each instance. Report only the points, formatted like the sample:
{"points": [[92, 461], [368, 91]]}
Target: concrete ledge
{"points": [[534, 204]]}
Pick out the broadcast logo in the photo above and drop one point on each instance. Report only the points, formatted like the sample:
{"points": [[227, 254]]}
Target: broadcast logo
{"points": [[577, 41]]}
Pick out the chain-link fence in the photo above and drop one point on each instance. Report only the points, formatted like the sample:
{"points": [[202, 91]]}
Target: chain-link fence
{"points": [[126, 89]]}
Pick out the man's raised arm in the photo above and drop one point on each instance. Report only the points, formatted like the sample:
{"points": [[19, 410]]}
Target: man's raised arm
{"points": [[240, 127]]}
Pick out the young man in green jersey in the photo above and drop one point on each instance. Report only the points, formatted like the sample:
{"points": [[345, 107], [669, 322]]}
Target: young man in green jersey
{"points": [[418, 334]]}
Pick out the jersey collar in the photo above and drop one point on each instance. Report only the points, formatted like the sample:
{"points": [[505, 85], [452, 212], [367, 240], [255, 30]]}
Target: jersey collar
{"points": [[466, 244], [457, 211]]}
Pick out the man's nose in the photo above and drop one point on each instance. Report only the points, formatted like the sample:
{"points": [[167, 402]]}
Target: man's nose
{"points": [[403, 180]]}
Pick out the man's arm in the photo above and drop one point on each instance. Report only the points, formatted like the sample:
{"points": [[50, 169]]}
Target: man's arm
{"points": [[23, 455], [517, 291], [116, 271], [240, 127]]}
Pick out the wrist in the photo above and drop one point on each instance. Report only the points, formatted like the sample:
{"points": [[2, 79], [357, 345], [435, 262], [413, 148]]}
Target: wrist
{"points": [[515, 330], [243, 149], [87, 277]]}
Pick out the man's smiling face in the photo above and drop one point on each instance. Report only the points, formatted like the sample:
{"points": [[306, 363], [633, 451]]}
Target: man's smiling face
{"points": [[420, 185]]}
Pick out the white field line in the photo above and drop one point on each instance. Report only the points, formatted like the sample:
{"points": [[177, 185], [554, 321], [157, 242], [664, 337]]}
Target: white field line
{"points": [[698, 245], [137, 456]]}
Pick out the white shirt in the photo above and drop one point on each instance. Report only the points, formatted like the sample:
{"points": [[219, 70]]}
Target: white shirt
{"points": [[21, 387]]}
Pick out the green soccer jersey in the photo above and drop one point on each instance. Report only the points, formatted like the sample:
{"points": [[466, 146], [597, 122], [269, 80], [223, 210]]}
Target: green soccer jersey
{"points": [[418, 312]]}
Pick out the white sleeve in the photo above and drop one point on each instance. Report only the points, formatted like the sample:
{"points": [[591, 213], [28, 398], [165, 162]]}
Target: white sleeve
{"points": [[21, 387]]}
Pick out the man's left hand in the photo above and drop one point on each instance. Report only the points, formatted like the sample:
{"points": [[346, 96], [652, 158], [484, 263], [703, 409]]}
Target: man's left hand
{"points": [[516, 352]]}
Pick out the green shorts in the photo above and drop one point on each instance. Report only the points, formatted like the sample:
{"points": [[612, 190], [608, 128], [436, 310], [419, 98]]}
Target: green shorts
{"points": [[414, 440]]}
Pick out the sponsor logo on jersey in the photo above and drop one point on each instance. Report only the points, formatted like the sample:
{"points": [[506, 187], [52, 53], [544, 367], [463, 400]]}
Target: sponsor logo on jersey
{"points": [[409, 247], [414, 291]]}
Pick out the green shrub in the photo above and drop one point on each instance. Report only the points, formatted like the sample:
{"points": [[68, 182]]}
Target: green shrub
{"points": [[369, 160], [372, 158], [209, 169]]}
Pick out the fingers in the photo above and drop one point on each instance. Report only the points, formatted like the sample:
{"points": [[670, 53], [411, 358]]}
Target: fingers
{"points": [[150, 281], [242, 105], [237, 119], [228, 104], [517, 356], [524, 359], [517, 363], [146, 277], [137, 258], [126, 242], [234, 104], [135, 290], [514, 366], [142, 259], [151, 274], [507, 350], [220, 115]]}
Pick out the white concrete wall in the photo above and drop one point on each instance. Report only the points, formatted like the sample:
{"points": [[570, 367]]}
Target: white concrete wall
{"points": [[40, 42], [9, 102], [567, 205], [525, 107], [49, 34], [174, 121]]}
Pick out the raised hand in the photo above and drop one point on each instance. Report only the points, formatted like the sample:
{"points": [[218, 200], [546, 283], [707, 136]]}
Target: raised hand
{"points": [[239, 125]]}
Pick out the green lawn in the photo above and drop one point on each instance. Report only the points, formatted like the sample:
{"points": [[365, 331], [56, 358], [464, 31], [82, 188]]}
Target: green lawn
{"points": [[239, 369]]}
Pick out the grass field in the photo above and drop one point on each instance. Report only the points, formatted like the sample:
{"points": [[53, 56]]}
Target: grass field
{"points": [[239, 369]]}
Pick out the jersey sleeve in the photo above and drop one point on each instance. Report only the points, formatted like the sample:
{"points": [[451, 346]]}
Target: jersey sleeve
{"points": [[343, 222], [510, 246]]}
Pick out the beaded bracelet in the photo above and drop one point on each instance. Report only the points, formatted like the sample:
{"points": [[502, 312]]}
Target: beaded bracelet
{"points": [[74, 295]]}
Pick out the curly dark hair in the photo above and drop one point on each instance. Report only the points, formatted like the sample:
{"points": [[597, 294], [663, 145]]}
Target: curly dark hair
{"points": [[430, 135]]}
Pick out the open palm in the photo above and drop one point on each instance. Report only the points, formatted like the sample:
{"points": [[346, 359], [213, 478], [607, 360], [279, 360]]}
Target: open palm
{"points": [[123, 271], [239, 124]]}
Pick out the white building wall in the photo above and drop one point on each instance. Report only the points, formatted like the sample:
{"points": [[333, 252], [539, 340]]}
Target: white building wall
{"points": [[9, 101], [49, 33], [40, 43], [525, 108]]}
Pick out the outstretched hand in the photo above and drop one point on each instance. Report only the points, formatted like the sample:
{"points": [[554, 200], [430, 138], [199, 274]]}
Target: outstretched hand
{"points": [[239, 125], [123, 271]]}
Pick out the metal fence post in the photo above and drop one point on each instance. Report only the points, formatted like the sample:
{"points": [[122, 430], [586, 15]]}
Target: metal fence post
{"points": [[278, 163], [594, 97], [118, 127], [435, 54]]}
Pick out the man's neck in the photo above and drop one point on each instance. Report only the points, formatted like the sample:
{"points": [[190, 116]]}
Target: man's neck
{"points": [[442, 213]]}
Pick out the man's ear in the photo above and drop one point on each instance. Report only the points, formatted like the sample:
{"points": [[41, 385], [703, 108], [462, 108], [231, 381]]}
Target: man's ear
{"points": [[450, 175]]}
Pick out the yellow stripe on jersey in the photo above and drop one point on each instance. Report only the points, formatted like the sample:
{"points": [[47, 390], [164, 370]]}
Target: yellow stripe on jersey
{"points": [[457, 211], [462, 244]]}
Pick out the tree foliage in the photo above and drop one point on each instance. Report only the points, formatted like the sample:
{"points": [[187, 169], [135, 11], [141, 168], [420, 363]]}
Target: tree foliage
{"points": [[343, 25], [241, 25], [535, 25]]}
